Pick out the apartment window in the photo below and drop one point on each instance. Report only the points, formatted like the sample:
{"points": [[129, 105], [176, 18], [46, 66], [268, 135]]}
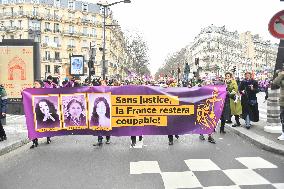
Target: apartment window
{"points": [[21, 10], [56, 69], [56, 40], [56, 27], [47, 68], [4, 1], [71, 42], [71, 5], [20, 24], [47, 55], [71, 15], [57, 55], [47, 11], [93, 32], [57, 3], [85, 43], [12, 23], [71, 29], [46, 39], [20, 36], [12, 11], [94, 19], [85, 31], [56, 13], [47, 25], [35, 1], [35, 11], [85, 7]]}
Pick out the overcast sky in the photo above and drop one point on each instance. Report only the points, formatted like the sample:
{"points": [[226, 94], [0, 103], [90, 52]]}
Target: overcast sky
{"points": [[169, 25]]}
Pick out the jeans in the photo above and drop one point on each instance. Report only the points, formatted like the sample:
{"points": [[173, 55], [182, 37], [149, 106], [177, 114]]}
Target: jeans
{"points": [[247, 121], [282, 117]]}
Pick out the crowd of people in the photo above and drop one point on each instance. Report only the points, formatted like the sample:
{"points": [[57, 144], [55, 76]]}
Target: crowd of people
{"points": [[240, 101]]}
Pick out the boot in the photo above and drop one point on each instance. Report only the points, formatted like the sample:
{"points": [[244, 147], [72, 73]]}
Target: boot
{"points": [[48, 141], [211, 140], [35, 143], [222, 129], [133, 141], [140, 138]]}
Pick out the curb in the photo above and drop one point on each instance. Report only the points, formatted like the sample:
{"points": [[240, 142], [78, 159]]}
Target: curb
{"points": [[259, 141], [14, 146]]}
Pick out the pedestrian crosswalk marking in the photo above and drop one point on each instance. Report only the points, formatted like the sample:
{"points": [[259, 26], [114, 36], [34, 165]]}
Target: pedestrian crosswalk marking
{"points": [[189, 178]]}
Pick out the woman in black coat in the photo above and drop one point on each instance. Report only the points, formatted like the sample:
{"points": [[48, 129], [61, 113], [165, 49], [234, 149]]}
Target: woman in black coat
{"points": [[248, 89]]}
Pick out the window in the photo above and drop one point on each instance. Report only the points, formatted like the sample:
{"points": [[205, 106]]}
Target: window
{"points": [[47, 11], [35, 1], [94, 19], [46, 39], [56, 27], [47, 55], [47, 26], [71, 42], [93, 32], [12, 23], [12, 37], [5, 2], [35, 11], [71, 5], [47, 68], [21, 10], [20, 24], [85, 7], [20, 36], [71, 29], [56, 69], [56, 40], [21, 1], [71, 15], [57, 3], [85, 31], [85, 43], [57, 55], [56, 15]]}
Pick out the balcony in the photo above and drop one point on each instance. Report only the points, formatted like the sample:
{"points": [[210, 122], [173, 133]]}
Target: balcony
{"points": [[85, 47], [71, 33], [58, 60], [10, 29], [57, 17], [56, 31], [46, 59], [34, 30], [70, 47]]}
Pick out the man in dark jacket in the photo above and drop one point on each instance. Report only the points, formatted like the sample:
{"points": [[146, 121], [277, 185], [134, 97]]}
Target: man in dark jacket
{"points": [[3, 110], [248, 89]]}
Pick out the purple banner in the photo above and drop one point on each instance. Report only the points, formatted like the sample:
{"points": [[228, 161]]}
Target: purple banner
{"points": [[122, 111]]}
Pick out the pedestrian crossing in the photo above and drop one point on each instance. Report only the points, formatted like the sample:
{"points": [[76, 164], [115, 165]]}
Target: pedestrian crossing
{"points": [[199, 172]]}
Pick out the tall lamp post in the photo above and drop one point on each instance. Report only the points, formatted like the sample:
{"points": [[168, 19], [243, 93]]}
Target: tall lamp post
{"points": [[105, 5]]}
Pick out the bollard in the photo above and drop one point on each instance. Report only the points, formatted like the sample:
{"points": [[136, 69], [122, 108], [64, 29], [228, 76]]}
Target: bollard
{"points": [[273, 112]]}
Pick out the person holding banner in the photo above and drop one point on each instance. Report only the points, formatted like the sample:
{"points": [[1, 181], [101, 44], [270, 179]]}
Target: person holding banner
{"points": [[3, 110], [49, 83], [101, 115], [39, 84]]}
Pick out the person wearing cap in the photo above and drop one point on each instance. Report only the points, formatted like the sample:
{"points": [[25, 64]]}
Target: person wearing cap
{"points": [[3, 110]]}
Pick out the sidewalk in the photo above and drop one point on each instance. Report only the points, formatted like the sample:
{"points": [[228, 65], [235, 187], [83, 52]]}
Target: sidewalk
{"points": [[260, 138], [16, 132], [17, 135]]}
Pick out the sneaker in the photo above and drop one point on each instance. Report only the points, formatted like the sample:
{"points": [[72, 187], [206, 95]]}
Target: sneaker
{"points": [[201, 137], [177, 137], [108, 142], [211, 140], [140, 138], [281, 137], [236, 125], [133, 144], [171, 143]]}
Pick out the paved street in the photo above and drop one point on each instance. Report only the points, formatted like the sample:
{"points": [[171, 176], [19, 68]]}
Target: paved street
{"points": [[72, 162]]}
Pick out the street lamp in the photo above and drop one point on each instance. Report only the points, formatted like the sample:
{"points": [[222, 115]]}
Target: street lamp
{"points": [[105, 5]]}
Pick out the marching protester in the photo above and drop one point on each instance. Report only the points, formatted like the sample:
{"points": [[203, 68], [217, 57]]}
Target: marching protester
{"points": [[234, 98], [100, 138], [279, 80], [3, 110], [248, 89]]}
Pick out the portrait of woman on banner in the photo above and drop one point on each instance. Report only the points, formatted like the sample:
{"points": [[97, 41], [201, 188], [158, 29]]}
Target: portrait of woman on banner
{"points": [[75, 113], [46, 114], [101, 113]]}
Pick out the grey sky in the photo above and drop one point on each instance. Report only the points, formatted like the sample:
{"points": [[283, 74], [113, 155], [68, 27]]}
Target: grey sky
{"points": [[169, 25]]}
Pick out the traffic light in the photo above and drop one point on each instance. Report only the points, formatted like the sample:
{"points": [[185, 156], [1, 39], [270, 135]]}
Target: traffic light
{"points": [[196, 61]]}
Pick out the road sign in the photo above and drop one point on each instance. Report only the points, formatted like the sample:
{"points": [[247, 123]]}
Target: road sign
{"points": [[276, 25]]}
